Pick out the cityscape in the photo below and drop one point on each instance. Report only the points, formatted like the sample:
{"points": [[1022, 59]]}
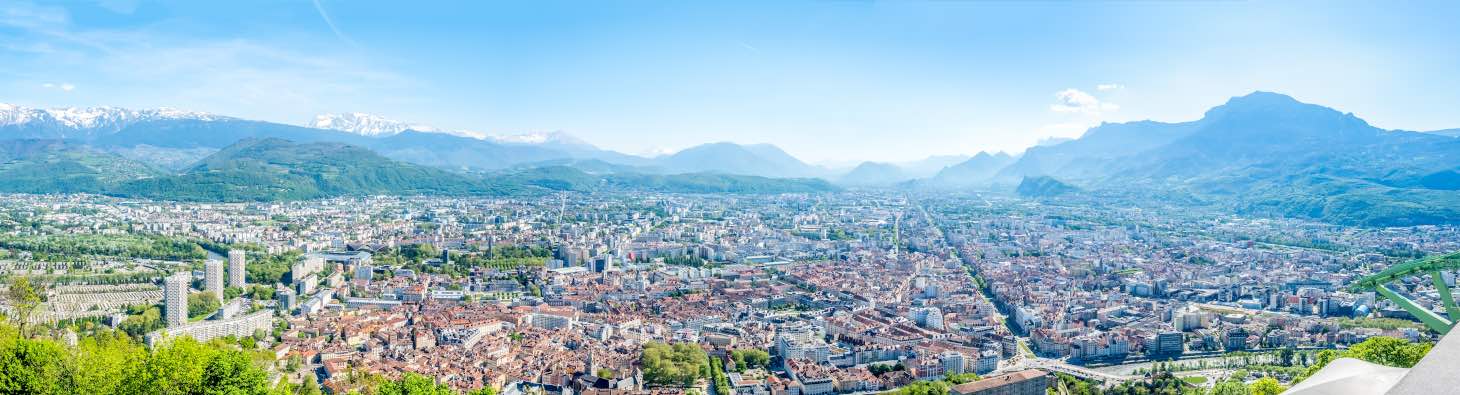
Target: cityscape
{"points": [[203, 232]]}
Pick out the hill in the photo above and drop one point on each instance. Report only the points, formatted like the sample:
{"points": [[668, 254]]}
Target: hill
{"points": [[729, 158], [275, 169], [979, 169], [873, 174], [930, 166], [1042, 187], [55, 166], [1084, 155], [1269, 154]]}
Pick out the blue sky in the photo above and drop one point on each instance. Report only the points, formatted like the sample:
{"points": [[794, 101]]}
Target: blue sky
{"points": [[827, 81]]}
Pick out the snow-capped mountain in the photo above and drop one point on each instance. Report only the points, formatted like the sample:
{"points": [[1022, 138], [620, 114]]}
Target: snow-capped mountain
{"points": [[371, 125], [72, 122], [363, 124], [554, 137], [174, 138]]}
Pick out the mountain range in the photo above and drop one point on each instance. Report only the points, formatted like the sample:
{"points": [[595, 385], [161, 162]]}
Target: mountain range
{"points": [[273, 169], [1266, 154], [174, 139], [1262, 153]]}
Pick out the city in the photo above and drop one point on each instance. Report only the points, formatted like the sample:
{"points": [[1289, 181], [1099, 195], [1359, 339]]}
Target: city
{"points": [[558, 294], [792, 197]]}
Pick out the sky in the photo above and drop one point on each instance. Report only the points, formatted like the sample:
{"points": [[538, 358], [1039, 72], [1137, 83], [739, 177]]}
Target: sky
{"points": [[829, 82]]}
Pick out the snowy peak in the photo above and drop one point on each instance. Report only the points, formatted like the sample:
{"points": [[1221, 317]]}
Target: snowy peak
{"points": [[554, 137], [365, 124], [371, 125], [92, 119]]}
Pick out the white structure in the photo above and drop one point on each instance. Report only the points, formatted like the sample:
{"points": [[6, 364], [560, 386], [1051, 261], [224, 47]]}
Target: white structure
{"points": [[953, 362], [1348, 376], [549, 321], [207, 330], [175, 299], [988, 361], [213, 277], [236, 271], [928, 317], [309, 264], [802, 342]]}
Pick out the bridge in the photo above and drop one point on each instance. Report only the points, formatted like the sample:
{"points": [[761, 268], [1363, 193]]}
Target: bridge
{"points": [[1058, 366], [1431, 265]]}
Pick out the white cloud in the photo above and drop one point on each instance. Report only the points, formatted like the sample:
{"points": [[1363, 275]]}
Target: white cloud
{"points": [[331, 23], [144, 67], [65, 86], [1077, 101], [1081, 111]]}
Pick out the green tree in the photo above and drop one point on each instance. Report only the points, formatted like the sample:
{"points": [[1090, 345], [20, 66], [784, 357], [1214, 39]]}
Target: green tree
{"points": [[414, 384], [24, 298], [1266, 386], [31, 366], [202, 304], [1230, 388], [1285, 356], [309, 387], [1381, 350], [956, 379], [231, 372], [483, 391], [1389, 351], [102, 359], [680, 364], [750, 358], [144, 319]]}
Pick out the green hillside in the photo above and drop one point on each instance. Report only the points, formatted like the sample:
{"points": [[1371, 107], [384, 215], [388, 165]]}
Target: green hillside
{"points": [[275, 169], [53, 166], [1043, 187]]}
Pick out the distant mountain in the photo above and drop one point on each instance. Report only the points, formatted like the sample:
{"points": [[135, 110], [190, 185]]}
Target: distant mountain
{"points": [[82, 123], [730, 158], [873, 174], [275, 169], [930, 166], [363, 124], [174, 138], [565, 178], [1107, 141], [1042, 186], [214, 133], [979, 169], [1446, 132], [371, 125], [1268, 154]]}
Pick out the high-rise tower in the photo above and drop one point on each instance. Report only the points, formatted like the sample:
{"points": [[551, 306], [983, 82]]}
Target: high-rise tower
{"points": [[236, 271], [213, 277], [175, 298]]}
